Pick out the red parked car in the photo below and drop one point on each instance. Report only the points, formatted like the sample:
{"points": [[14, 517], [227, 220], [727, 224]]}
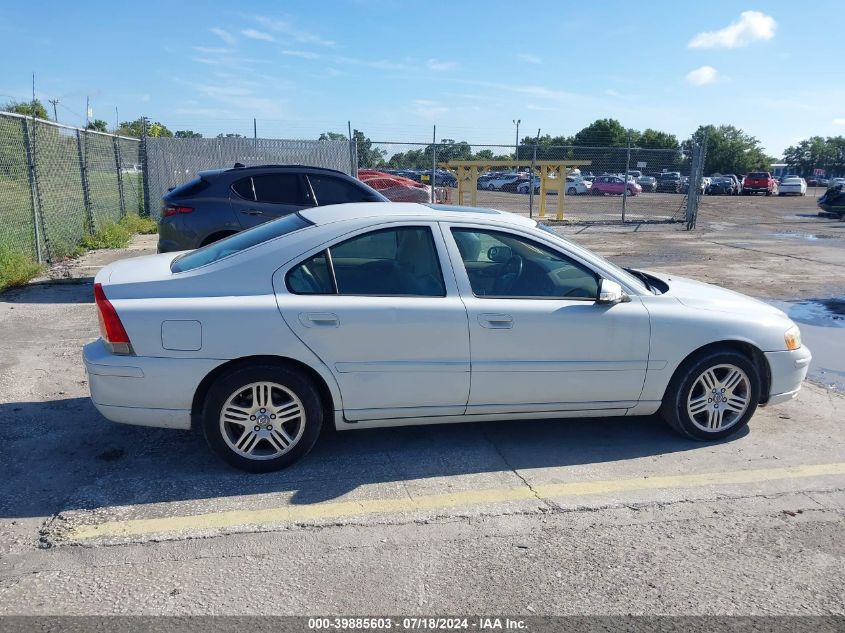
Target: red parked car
{"points": [[614, 185], [759, 182], [395, 188]]}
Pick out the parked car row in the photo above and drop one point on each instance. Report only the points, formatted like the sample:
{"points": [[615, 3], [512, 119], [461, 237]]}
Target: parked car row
{"points": [[442, 177]]}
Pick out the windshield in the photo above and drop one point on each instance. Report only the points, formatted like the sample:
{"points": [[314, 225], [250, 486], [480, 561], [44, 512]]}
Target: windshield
{"points": [[238, 242], [621, 274]]}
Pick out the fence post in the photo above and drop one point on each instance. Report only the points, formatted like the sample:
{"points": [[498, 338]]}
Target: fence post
{"points": [[692, 189], [117, 164], [433, 163], [531, 182], [34, 193], [625, 184], [83, 172], [145, 167]]}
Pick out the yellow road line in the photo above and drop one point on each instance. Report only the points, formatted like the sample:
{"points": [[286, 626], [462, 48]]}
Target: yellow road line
{"points": [[343, 509]]}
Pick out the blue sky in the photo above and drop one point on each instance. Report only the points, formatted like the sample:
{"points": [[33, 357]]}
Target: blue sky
{"points": [[396, 68]]}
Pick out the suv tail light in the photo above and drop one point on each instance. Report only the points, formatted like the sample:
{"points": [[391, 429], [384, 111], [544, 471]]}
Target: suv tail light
{"points": [[174, 210], [111, 329]]}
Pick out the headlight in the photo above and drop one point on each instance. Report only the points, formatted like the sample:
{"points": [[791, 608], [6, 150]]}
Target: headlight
{"points": [[792, 338]]}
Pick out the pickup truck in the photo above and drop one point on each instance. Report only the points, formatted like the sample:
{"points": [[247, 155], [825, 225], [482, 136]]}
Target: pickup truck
{"points": [[759, 182]]}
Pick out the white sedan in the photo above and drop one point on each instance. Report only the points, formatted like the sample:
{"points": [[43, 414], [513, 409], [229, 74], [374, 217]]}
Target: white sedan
{"points": [[384, 314], [792, 184]]}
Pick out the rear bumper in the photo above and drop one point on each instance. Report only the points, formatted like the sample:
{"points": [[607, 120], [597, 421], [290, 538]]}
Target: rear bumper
{"points": [[143, 390], [788, 370]]}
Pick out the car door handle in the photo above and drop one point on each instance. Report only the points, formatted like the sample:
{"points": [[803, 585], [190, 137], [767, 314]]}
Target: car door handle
{"points": [[496, 321], [253, 212], [319, 319]]}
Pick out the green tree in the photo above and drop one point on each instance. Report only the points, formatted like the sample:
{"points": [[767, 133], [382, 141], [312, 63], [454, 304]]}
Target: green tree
{"points": [[332, 136], [27, 108], [729, 150], [817, 153], [230, 135], [98, 125], [368, 156], [605, 133], [187, 134], [655, 139], [135, 128]]}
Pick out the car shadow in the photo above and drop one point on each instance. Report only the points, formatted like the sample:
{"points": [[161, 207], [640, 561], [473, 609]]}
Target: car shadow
{"points": [[63, 455], [60, 291]]}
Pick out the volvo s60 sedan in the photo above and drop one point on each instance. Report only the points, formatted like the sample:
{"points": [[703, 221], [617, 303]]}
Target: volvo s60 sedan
{"points": [[393, 314]]}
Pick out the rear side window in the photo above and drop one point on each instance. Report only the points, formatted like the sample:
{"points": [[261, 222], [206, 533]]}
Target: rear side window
{"points": [[333, 190], [238, 242], [387, 262], [273, 189]]}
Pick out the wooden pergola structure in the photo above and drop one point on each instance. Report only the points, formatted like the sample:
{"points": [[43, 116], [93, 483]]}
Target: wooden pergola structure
{"points": [[552, 175]]}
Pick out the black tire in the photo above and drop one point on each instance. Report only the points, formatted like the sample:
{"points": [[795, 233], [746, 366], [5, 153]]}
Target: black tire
{"points": [[674, 407], [571, 191], [290, 379]]}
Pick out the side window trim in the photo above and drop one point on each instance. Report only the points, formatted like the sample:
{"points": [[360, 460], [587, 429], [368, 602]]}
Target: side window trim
{"points": [[330, 264]]}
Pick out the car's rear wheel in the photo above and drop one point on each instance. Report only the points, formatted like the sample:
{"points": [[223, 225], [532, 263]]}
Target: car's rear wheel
{"points": [[262, 418], [491, 188], [713, 395], [571, 191]]}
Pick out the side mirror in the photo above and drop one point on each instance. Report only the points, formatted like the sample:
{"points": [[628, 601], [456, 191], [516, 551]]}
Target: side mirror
{"points": [[499, 254], [610, 292]]}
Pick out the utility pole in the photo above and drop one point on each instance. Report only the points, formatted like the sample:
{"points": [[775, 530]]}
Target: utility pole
{"points": [[516, 122], [87, 112], [116, 120], [55, 102]]}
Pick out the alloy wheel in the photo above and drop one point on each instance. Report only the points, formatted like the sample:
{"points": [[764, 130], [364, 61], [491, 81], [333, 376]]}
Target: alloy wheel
{"points": [[719, 398]]}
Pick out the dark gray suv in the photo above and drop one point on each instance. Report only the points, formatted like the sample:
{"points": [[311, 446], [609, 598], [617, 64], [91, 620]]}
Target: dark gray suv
{"points": [[220, 202]]}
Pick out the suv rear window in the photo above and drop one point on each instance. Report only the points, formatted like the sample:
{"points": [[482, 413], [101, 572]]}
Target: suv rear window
{"points": [[238, 242]]}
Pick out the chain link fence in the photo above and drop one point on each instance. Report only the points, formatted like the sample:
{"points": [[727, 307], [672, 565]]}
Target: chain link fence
{"points": [[603, 184], [59, 183], [171, 161]]}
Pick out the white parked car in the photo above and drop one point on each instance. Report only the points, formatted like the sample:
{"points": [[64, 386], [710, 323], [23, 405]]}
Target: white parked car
{"points": [[382, 314], [575, 185], [792, 184]]}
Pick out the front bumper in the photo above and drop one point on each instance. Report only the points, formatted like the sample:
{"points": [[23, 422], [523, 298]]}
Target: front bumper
{"points": [[788, 370], [143, 390]]}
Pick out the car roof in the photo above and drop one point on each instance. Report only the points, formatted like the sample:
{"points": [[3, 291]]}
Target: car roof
{"points": [[401, 210], [211, 173]]}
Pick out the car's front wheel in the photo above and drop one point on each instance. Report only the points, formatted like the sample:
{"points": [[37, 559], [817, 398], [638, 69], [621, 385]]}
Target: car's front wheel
{"points": [[262, 418], [713, 395]]}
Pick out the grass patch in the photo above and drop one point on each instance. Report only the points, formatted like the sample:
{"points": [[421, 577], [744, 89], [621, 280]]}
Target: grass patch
{"points": [[137, 224], [16, 268], [110, 235]]}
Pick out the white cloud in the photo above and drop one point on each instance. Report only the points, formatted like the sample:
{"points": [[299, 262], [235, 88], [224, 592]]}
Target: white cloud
{"points": [[610, 92], [752, 26], [839, 121], [436, 64], [257, 35], [702, 76], [531, 59], [294, 33], [212, 50], [302, 54], [224, 35], [428, 109], [380, 64]]}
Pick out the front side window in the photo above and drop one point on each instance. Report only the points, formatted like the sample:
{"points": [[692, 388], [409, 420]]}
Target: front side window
{"points": [[504, 265], [333, 190], [388, 262]]}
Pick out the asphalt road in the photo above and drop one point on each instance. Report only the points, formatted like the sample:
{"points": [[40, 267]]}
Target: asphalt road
{"points": [[593, 516]]}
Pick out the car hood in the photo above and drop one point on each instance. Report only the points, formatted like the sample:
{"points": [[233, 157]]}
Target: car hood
{"points": [[702, 296], [134, 269]]}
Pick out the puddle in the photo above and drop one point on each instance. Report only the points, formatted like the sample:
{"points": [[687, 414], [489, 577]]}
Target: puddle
{"points": [[822, 323], [804, 236]]}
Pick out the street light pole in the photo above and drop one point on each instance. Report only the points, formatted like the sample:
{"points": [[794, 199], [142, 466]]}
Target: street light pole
{"points": [[516, 122]]}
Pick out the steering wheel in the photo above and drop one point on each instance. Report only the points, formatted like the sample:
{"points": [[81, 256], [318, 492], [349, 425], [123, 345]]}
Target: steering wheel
{"points": [[510, 275]]}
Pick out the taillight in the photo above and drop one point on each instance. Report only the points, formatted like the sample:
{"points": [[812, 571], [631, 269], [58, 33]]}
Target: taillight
{"points": [[111, 329], [175, 210]]}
